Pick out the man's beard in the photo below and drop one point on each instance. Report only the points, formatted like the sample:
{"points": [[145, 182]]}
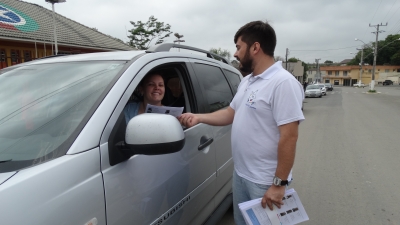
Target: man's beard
{"points": [[246, 64]]}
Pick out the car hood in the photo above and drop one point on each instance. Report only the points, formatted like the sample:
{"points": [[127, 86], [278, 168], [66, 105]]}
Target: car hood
{"points": [[6, 176]]}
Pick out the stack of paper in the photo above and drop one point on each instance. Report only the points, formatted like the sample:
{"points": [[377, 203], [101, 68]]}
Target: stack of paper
{"points": [[291, 212]]}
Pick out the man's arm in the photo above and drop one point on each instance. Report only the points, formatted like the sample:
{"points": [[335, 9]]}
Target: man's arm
{"points": [[286, 153], [219, 118]]}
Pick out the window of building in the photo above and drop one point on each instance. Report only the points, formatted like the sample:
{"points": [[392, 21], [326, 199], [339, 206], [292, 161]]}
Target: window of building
{"points": [[336, 73], [386, 71], [27, 56], [329, 72], [344, 73], [369, 71], [15, 57]]}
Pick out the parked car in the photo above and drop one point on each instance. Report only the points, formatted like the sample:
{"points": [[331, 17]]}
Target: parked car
{"points": [[328, 87], [322, 87], [313, 91], [359, 85], [387, 82], [68, 156]]}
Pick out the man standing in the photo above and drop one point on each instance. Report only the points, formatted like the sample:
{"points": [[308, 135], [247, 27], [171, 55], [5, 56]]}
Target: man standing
{"points": [[265, 112]]}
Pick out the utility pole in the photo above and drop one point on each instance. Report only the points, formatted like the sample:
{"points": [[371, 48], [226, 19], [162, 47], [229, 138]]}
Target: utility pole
{"points": [[361, 62], [287, 53], [178, 36], [318, 72], [375, 53]]}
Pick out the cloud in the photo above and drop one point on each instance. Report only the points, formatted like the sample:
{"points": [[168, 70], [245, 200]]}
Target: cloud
{"points": [[299, 25]]}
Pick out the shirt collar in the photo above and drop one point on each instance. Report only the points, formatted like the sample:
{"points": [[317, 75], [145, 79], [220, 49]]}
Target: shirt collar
{"points": [[272, 70]]}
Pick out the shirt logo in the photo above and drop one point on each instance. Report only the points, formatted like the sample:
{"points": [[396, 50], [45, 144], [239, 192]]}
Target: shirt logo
{"points": [[251, 100], [13, 19]]}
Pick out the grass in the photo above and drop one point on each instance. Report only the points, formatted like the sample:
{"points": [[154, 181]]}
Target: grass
{"points": [[372, 91]]}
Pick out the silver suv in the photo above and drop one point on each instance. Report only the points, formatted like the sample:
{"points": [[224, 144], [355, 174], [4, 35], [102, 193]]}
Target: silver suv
{"points": [[68, 157]]}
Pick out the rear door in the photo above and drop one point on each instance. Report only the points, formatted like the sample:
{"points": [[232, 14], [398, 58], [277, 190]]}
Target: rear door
{"points": [[217, 93], [171, 189]]}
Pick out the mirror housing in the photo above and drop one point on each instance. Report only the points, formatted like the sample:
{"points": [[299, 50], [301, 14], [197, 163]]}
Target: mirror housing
{"points": [[154, 134]]}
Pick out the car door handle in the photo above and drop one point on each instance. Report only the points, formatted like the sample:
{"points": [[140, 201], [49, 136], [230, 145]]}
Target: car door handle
{"points": [[205, 143]]}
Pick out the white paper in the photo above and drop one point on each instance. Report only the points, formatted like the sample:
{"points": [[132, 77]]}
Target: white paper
{"points": [[291, 212], [174, 111]]}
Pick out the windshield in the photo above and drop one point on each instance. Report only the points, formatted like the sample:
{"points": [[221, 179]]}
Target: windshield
{"points": [[321, 86], [42, 105], [312, 87]]}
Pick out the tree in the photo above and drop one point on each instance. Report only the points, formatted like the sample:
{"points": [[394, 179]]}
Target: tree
{"points": [[224, 53], [395, 60], [143, 34], [328, 61], [387, 49], [293, 60]]}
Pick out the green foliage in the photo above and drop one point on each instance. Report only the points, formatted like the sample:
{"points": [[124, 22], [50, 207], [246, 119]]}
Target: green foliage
{"points": [[372, 91], [388, 52], [143, 34], [293, 60], [224, 53], [395, 59], [328, 61]]}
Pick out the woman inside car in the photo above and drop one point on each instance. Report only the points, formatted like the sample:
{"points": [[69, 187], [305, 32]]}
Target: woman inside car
{"points": [[151, 91]]}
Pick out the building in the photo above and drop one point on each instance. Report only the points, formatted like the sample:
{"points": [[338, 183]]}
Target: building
{"points": [[295, 68], [27, 33], [349, 75], [311, 75]]}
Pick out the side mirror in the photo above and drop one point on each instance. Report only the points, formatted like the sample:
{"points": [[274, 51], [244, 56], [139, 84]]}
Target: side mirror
{"points": [[154, 134]]}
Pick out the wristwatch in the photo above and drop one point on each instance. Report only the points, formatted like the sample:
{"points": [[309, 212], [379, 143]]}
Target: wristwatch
{"points": [[279, 182]]}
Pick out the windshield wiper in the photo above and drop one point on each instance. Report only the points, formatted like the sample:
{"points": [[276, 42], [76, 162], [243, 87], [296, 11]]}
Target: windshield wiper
{"points": [[3, 161]]}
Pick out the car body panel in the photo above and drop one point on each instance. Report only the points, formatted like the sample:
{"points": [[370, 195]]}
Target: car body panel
{"points": [[66, 190]]}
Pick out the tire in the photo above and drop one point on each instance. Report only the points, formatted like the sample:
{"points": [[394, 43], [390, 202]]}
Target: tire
{"points": [[320, 96]]}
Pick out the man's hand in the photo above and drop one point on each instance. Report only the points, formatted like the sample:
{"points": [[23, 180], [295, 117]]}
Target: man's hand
{"points": [[189, 119], [273, 195]]}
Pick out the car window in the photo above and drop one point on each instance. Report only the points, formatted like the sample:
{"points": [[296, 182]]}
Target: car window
{"points": [[215, 85], [42, 105], [234, 79]]}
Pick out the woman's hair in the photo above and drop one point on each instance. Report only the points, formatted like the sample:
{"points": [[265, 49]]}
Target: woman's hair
{"points": [[150, 74]]}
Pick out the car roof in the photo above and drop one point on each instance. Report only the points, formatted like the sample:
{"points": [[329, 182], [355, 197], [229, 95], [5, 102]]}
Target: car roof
{"points": [[129, 55]]}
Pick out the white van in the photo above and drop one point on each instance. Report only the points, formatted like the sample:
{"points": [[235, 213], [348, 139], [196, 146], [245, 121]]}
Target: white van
{"points": [[67, 155]]}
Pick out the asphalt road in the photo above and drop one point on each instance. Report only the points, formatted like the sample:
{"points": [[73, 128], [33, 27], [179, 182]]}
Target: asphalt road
{"points": [[348, 158]]}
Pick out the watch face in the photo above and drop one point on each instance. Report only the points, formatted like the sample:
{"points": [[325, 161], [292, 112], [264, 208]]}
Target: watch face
{"points": [[277, 181]]}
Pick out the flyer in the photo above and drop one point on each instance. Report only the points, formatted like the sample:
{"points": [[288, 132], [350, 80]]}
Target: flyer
{"points": [[173, 111], [291, 212]]}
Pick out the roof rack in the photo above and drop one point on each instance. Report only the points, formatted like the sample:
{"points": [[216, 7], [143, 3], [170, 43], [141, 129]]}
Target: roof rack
{"points": [[166, 47]]}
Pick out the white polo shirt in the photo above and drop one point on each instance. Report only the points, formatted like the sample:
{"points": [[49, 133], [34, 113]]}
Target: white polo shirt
{"points": [[262, 104]]}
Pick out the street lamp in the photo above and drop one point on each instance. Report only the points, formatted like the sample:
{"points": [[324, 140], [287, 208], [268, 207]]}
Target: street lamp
{"points": [[54, 21]]}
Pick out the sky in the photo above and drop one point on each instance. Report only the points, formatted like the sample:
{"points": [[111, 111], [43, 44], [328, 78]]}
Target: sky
{"points": [[309, 29]]}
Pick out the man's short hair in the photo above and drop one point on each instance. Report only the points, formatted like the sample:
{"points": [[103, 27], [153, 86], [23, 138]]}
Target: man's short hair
{"points": [[258, 31]]}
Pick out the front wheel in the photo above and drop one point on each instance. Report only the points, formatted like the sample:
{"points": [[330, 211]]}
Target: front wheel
{"points": [[320, 96]]}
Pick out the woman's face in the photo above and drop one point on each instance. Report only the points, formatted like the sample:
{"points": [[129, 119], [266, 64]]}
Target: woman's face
{"points": [[153, 89]]}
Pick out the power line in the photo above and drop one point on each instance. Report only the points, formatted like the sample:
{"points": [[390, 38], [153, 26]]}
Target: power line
{"points": [[373, 16], [326, 49], [390, 10]]}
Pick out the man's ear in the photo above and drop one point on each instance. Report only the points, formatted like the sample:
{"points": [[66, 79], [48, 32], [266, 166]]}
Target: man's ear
{"points": [[256, 47]]}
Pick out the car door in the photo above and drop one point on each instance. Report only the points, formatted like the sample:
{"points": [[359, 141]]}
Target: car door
{"points": [[218, 95], [174, 188]]}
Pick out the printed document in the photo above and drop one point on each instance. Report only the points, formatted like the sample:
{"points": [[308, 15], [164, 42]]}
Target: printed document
{"points": [[291, 212], [173, 111]]}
